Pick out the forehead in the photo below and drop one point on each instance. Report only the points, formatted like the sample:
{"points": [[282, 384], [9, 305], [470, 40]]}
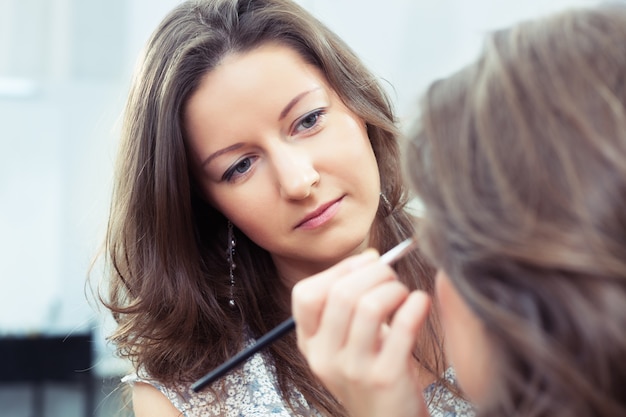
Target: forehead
{"points": [[259, 82], [264, 69]]}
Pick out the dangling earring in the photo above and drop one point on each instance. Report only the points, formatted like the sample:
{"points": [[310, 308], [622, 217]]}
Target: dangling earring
{"points": [[386, 202], [230, 253]]}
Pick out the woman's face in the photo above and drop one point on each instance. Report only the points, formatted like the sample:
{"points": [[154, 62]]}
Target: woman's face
{"points": [[465, 339], [280, 155]]}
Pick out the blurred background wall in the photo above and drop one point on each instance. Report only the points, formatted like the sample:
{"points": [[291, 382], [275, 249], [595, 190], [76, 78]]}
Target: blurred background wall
{"points": [[65, 67]]}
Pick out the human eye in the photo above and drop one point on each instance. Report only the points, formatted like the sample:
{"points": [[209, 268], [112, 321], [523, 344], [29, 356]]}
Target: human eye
{"points": [[309, 121], [238, 169]]}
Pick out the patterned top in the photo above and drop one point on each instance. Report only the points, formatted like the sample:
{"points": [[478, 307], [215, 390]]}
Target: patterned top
{"points": [[254, 392], [442, 402]]}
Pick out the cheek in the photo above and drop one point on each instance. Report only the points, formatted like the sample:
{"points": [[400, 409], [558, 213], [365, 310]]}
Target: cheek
{"points": [[466, 342], [250, 202], [244, 205], [354, 154], [257, 220]]}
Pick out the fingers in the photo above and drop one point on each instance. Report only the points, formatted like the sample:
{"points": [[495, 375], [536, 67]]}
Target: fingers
{"points": [[403, 332], [357, 326], [371, 315], [345, 296], [342, 313], [324, 340], [387, 348], [309, 295]]}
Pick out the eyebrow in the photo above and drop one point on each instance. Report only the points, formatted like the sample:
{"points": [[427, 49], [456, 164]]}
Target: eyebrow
{"points": [[295, 101], [227, 149], [282, 115]]}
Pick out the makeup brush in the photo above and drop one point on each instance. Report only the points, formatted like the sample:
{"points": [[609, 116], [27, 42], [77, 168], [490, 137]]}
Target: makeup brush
{"points": [[287, 326]]}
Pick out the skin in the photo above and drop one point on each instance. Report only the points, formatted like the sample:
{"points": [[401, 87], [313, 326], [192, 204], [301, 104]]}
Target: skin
{"points": [[471, 361], [271, 144], [149, 401], [357, 326]]}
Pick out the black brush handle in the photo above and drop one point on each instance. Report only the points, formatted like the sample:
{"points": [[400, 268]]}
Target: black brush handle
{"points": [[266, 340]]}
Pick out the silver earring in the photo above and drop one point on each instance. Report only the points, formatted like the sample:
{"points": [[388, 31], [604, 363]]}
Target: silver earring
{"points": [[230, 254], [385, 200]]}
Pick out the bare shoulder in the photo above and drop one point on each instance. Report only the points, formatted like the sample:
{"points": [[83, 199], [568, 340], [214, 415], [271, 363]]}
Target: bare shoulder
{"points": [[148, 401]]}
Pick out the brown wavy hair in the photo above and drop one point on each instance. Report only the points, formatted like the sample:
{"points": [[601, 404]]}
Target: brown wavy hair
{"points": [[520, 162], [168, 276]]}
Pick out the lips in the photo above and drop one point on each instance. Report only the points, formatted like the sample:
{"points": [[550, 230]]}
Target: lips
{"points": [[320, 215]]}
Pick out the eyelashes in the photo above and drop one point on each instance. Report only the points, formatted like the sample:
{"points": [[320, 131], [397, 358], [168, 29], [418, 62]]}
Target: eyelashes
{"points": [[308, 122], [239, 168]]}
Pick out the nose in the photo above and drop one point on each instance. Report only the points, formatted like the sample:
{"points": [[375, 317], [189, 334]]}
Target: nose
{"points": [[296, 174]]}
